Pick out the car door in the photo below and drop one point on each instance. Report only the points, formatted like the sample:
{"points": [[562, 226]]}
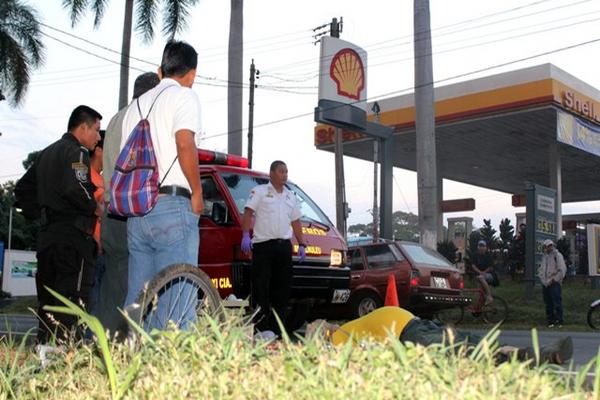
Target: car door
{"points": [[381, 262], [357, 268]]}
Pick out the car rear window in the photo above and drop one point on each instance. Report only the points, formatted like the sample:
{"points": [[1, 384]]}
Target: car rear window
{"points": [[380, 256], [424, 255]]}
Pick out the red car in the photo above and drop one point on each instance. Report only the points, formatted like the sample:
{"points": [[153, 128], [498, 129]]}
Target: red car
{"points": [[425, 280]]}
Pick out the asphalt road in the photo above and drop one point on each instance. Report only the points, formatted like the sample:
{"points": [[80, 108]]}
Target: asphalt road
{"points": [[586, 345]]}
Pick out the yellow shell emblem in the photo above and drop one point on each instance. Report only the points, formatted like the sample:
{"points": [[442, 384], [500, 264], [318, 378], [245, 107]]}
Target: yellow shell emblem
{"points": [[348, 73]]}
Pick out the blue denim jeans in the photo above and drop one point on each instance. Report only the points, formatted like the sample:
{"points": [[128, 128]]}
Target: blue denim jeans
{"points": [[553, 299], [165, 236]]}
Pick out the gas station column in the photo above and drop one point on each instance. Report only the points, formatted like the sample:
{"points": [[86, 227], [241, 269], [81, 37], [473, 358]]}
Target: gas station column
{"points": [[440, 199], [556, 183]]}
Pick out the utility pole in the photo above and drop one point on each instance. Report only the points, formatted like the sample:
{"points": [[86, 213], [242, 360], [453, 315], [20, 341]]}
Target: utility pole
{"points": [[425, 127], [341, 206], [254, 73], [376, 110]]}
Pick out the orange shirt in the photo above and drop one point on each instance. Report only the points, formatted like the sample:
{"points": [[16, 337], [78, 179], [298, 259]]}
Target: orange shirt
{"points": [[99, 196]]}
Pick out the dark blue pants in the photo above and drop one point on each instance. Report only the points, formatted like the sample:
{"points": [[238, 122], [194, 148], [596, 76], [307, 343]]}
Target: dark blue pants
{"points": [[553, 299]]}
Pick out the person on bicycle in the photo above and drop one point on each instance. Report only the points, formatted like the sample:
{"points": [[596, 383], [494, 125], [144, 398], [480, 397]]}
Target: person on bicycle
{"points": [[483, 264], [389, 322]]}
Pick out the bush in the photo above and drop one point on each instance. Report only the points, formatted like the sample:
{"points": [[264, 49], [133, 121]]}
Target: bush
{"points": [[448, 250]]}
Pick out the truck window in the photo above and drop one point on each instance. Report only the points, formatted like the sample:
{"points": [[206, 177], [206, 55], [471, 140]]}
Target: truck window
{"points": [[241, 185], [211, 196], [379, 256], [356, 261]]}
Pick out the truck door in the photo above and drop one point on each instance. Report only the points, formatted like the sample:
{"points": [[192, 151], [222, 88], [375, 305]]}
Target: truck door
{"points": [[218, 236]]}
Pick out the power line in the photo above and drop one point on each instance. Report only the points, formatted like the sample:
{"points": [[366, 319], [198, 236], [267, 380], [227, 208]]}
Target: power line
{"points": [[373, 47], [438, 52], [396, 92]]}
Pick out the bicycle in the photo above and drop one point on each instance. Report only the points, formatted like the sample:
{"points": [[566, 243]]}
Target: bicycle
{"points": [[173, 284], [492, 313], [593, 315]]}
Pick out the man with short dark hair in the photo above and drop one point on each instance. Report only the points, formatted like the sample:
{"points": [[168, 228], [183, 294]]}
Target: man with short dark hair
{"points": [[169, 233], [65, 192], [277, 216], [113, 287]]}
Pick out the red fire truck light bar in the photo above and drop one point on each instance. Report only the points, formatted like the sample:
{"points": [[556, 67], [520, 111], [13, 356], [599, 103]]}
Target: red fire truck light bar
{"points": [[215, 157]]}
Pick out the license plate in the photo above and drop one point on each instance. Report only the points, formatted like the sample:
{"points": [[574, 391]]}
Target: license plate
{"points": [[438, 282], [340, 296]]}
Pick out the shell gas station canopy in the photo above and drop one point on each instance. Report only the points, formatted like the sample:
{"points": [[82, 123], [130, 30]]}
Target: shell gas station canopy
{"points": [[499, 132]]}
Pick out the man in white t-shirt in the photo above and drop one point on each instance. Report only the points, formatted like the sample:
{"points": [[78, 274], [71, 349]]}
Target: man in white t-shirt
{"points": [[168, 234]]}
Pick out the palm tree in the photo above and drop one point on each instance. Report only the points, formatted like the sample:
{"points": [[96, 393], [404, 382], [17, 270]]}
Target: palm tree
{"points": [[235, 74], [21, 48], [174, 21]]}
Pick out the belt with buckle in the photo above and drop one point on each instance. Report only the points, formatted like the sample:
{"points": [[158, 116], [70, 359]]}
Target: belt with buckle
{"points": [[173, 190]]}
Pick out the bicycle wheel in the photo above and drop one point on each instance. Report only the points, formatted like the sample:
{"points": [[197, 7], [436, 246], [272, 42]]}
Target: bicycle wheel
{"points": [[495, 312], [593, 317], [453, 316], [175, 297]]}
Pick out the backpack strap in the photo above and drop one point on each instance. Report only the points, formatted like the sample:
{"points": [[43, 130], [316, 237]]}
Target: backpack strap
{"points": [[167, 173], [152, 105]]}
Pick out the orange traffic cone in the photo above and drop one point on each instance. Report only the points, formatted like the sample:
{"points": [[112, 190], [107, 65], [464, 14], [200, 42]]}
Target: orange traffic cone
{"points": [[391, 294]]}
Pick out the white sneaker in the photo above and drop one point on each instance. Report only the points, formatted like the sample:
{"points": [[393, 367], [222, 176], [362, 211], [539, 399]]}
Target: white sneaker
{"points": [[265, 336]]}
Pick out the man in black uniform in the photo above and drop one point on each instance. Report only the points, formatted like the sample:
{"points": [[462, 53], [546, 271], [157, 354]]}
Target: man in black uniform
{"points": [[65, 250]]}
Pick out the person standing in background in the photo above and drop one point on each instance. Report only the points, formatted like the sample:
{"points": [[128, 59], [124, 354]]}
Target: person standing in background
{"points": [[96, 175], [113, 288], [552, 271]]}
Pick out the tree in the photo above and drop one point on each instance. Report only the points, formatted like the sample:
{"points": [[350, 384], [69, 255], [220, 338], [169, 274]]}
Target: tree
{"points": [[507, 233], [235, 77], [474, 238], [21, 48], [24, 232], [175, 13], [405, 226], [448, 249], [489, 234]]}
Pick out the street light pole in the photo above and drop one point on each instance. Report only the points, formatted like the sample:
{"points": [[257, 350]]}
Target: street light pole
{"points": [[10, 217]]}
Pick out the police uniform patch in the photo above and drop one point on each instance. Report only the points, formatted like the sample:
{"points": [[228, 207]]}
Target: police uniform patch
{"points": [[81, 171]]}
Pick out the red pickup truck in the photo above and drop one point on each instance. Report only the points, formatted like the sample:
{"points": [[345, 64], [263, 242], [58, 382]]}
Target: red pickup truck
{"points": [[226, 183]]}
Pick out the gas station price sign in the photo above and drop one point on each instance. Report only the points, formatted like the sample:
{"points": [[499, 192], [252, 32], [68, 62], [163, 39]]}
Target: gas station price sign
{"points": [[541, 225]]}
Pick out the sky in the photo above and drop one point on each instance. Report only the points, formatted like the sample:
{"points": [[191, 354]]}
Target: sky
{"points": [[81, 67]]}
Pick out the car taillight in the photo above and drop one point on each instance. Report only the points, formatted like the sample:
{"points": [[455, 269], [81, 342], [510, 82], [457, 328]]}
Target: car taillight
{"points": [[414, 278], [215, 157], [461, 284]]}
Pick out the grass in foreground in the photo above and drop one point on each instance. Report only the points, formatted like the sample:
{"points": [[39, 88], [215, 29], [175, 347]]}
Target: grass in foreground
{"points": [[218, 360]]}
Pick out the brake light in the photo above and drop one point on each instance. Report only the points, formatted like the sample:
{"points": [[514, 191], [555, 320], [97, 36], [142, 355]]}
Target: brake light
{"points": [[215, 157], [414, 282], [414, 278], [461, 284]]}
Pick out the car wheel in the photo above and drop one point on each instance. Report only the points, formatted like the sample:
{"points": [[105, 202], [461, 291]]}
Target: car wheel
{"points": [[366, 302]]}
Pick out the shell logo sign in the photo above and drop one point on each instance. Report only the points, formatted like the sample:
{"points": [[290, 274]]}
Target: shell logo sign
{"points": [[343, 77], [348, 73]]}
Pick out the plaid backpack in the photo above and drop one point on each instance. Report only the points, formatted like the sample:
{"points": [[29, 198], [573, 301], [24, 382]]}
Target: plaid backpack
{"points": [[134, 183]]}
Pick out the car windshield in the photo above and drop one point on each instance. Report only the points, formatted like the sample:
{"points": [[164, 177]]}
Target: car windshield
{"points": [[240, 186], [424, 255]]}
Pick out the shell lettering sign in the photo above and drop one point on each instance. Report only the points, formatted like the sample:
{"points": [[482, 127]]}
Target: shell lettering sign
{"points": [[343, 76]]}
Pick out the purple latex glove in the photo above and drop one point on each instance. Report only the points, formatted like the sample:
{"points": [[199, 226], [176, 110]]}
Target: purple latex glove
{"points": [[301, 252], [246, 243]]}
